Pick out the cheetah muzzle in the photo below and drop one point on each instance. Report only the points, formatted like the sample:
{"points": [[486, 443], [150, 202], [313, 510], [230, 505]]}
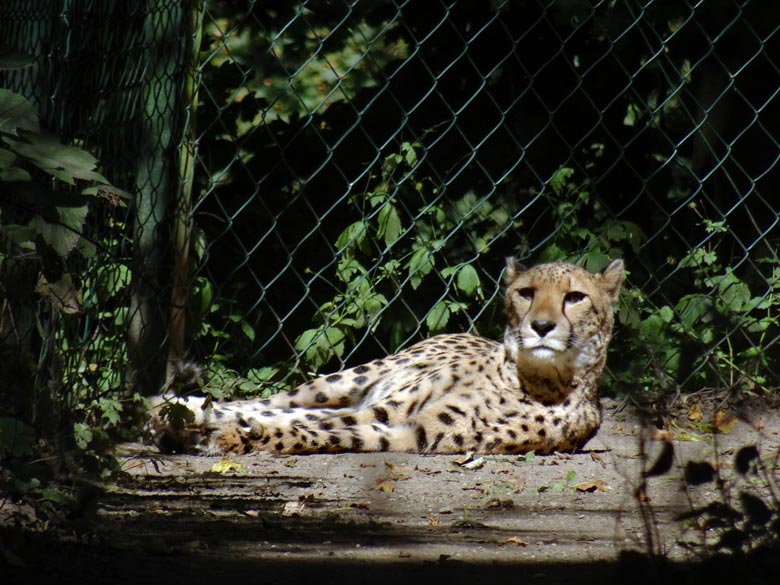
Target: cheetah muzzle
{"points": [[536, 391]]}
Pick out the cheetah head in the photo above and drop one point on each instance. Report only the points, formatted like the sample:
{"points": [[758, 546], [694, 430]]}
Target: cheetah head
{"points": [[559, 318]]}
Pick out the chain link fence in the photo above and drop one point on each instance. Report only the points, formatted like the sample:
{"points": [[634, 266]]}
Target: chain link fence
{"points": [[366, 167], [315, 184]]}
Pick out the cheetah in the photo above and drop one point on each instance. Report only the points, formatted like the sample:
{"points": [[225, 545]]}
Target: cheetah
{"points": [[453, 393]]}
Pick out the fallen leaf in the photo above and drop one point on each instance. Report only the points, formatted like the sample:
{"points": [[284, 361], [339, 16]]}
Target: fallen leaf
{"points": [[290, 462], [592, 486], [513, 540], [497, 503], [226, 466], [385, 486], [432, 521], [398, 468], [475, 464], [596, 457], [293, 508], [694, 413], [723, 422], [693, 437], [465, 459], [398, 473]]}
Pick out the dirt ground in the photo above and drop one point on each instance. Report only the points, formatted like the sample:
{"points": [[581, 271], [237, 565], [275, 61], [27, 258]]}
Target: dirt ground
{"points": [[376, 518]]}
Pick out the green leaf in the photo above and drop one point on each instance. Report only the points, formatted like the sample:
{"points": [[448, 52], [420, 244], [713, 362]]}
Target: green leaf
{"points": [[468, 280], [552, 253], [559, 179], [347, 268], [201, 296], [390, 268], [57, 497], [334, 340], [62, 161], [697, 258], [352, 237], [7, 158], [438, 317], [305, 339], [734, 293], [632, 114], [18, 234], [63, 238], [14, 174], [121, 317], [389, 224], [111, 279], [320, 345], [652, 328], [373, 303], [248, 330], [17, 113], [595, 260], [86, 248], [419, 265], [110, 409], [264, 374], [449, 271], [694, 310], [410, 155], [82, 433], [176, 413]]}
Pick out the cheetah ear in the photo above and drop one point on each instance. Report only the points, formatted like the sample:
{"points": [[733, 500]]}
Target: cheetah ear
{"points": [[612, 278], [513, 269]]}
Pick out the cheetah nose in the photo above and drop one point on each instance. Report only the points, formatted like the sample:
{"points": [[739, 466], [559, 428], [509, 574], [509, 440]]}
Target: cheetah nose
{"points": [[542, 327]]}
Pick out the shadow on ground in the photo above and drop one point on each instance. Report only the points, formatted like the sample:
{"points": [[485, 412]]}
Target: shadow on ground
{"points": [[388, 517], [54, 561]]}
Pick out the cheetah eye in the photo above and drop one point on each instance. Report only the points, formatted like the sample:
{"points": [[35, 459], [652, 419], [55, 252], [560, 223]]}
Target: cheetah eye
{"points": [[573, 297], [526, 293]]}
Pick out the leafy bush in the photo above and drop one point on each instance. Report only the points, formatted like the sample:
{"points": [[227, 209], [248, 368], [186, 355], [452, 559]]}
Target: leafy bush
{"points": [[62, 320], [404, 245]]}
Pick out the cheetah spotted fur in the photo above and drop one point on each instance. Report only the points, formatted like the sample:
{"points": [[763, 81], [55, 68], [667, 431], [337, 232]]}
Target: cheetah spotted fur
{"points": [[536, 391]]}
